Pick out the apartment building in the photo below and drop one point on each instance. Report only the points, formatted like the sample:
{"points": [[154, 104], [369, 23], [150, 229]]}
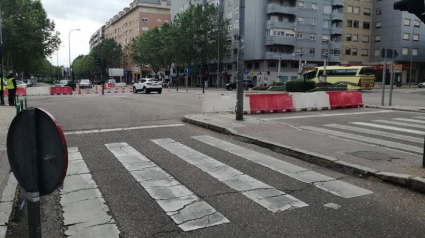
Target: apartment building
{"points": [[133, 21], [97, 37], [402, 32]]}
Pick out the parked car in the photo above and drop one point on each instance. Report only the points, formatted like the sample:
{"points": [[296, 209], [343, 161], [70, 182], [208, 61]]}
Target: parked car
{"points": [[66, 83], [21, 84], [421, 84], [85, 83], [231, 86], [28, 82], [147, 85]]}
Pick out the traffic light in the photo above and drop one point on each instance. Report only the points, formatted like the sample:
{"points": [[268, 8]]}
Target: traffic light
{"points": [[98, 61], [416, 7]]}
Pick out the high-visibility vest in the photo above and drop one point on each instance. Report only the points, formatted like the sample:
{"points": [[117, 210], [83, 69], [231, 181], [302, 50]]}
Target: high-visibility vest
{"points": [[10, 84]]}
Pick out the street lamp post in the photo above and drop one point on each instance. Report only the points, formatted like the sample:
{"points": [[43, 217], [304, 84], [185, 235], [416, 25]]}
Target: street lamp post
{"points": [[69, 40], [51, 63], [279, 58], [325, 76], [300, 67]]}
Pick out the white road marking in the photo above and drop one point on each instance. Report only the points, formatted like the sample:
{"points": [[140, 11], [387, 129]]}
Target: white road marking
{"points": [[419, 117], [85, 211], [378, 133], [259, 192], [409, 120], [121, 129], [365, 139], [6, 203], [400, 124], [326, 115], [186, 209], [321, 181], [391, 128]]}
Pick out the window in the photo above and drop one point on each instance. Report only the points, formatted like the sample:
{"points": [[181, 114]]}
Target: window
{"points": [[377, 38], [356, 10], [145, 19], [301, 20], [236, 11], [377, 52], [272, 64], [406, 36], [405, 51], [159, 20], [366, 11], [312, 51], [378, 24], [407, 22], [356, 24], [379, 11], [295, 65], [365, 39], [314, 6], [350, 9], [313, 36], [300, 4], [366, 25], [354, 51], [365, 52], [415, 51], [355, 38], [325, 24], [299, 35], [167, 21], [336, 52], [348, 37], [349, 23], [313, 21], [327, 9], [144, 10], [236, 24], [299, 51], [416, 37], [417, 23], [325, 38]]}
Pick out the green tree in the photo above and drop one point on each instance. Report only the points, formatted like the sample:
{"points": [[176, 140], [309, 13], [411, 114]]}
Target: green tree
{"points": [[28, 35], [111, 51]]}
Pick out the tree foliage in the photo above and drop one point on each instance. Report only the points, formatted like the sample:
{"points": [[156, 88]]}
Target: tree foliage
{"points": [[28, 35]]}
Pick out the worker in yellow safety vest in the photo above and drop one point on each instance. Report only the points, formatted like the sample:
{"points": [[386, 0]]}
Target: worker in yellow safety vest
{"points": [[11, 87]]}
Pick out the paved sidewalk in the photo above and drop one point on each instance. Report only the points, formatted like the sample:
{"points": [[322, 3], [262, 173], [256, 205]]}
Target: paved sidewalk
{"points": [[312, 147], [6, 116]]}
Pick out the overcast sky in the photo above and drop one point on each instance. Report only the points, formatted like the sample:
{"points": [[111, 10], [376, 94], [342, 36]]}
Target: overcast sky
{"points": [[86, 15]]}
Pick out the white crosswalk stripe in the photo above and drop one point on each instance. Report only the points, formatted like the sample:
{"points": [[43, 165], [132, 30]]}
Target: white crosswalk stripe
{"points": [[419, 117], [391, 128], [375, 132], [84, 209], [365, 139], [321, 181], [401, 124], [259, 192], [409, 120], [186, 209]]}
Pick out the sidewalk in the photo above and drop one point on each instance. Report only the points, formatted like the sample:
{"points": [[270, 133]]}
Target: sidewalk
{"points": [[6, 116], [341, 155]]}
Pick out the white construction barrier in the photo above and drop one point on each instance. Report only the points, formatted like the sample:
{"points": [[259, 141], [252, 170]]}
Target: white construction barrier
{"points": [[38, 91], [220, 103], [311, 101]]}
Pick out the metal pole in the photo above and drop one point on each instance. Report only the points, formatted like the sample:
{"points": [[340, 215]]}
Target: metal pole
{"points": [[33, 193], [423, 157], [57, 62], [300, 67], [218, 43], [279, 58], [187, 80], [391, 79], [241, 62], [1, 58], [384, 74], [325, 76]]}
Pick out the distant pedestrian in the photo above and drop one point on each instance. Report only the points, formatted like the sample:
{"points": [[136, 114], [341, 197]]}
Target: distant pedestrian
{"points": [[11, 87]]}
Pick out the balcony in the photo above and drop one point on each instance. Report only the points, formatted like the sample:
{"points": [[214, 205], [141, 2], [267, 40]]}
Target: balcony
{"points": [[275, 55], [280, 25], [338, 3], [337, 16], [336, 31], [279, 9], [280, 40]]}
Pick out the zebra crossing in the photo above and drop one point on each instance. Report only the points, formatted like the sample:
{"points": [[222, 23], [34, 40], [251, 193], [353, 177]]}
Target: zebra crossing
{"points": [[404, 134], [189, 211]]}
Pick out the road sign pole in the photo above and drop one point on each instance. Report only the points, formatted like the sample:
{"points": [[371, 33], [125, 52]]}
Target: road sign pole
{"points": [[384, 73], [241, 62], [31, 167], [391, 81], [187, 79], [423, 157]]}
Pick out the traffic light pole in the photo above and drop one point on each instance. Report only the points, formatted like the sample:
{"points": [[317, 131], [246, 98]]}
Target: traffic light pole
{"points": [[241, 62], [1, 59]]}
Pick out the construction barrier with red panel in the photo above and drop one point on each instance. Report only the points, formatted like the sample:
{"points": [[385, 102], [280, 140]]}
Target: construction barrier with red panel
{"points": [[67, 90], [356, 99], [60, 91], [5, 92], [336, 100], [345, 99], [21, 92], [265, 103], [111, 85]]}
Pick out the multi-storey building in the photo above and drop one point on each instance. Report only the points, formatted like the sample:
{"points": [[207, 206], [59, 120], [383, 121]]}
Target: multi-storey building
{"points": [[97, 37], [133, 21], [402, 32]]}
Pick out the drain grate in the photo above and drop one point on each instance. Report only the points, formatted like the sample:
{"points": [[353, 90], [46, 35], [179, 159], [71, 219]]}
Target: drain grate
{"points": [[372, 155]]}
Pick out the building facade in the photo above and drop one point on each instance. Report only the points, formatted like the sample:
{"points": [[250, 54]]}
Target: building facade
{"points": [[97, 37], [133, 21]]}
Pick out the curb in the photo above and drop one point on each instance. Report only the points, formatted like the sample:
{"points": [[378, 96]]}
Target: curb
{"points": [[396, 108], [405, 180]]}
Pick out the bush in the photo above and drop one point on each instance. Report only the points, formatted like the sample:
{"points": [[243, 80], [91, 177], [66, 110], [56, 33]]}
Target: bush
{"points": [[260, 88], [278, 84], [298, 85]]}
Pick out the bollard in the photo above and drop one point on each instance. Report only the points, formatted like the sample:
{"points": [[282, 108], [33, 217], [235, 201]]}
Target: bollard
{"points": [[17, 109], [26, 105], [22, 104]]}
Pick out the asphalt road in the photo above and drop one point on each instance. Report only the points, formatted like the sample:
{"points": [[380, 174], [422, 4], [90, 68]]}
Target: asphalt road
{"points": [[389, 211]]}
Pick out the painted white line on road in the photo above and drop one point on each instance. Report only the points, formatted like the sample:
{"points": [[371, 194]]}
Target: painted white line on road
{"points": [[326, 115], [409, 120], [85, 211], [375, 132], [321, 181], [400, 124], [391, 128], [6, 204], [186, 209], [121, 129], [419, 117], [365, 139], [259, 192]]}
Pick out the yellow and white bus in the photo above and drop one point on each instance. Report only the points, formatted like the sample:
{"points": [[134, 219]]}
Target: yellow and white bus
{"points": [[355, 77]]}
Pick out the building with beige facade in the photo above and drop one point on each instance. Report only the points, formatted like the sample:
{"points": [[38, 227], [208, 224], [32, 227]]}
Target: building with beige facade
{"points": [[133, 21], [356, 40]]}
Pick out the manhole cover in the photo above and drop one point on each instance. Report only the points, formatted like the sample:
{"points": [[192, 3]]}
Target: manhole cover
{"points": [[372, 155]]}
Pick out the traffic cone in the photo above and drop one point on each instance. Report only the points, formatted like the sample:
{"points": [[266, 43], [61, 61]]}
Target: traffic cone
{"points": [[131, 89], [79, 90], [96, 89], [116, 90], [168, 88], [88, 91], [109, 89], [123, 89]]}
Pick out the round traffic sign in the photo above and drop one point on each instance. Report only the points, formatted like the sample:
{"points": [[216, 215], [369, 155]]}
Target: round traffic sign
{"points": [[187, 70], [246, 72], [50, 148]]}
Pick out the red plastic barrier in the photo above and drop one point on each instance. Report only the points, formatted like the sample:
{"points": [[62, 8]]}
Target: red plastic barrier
{"points": [[356, 99], [111, 85], [21, 92], [54, 91], [67, 90], [266, 103], [345, 99], [5, 92], [336, 100], [60, 90]]}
